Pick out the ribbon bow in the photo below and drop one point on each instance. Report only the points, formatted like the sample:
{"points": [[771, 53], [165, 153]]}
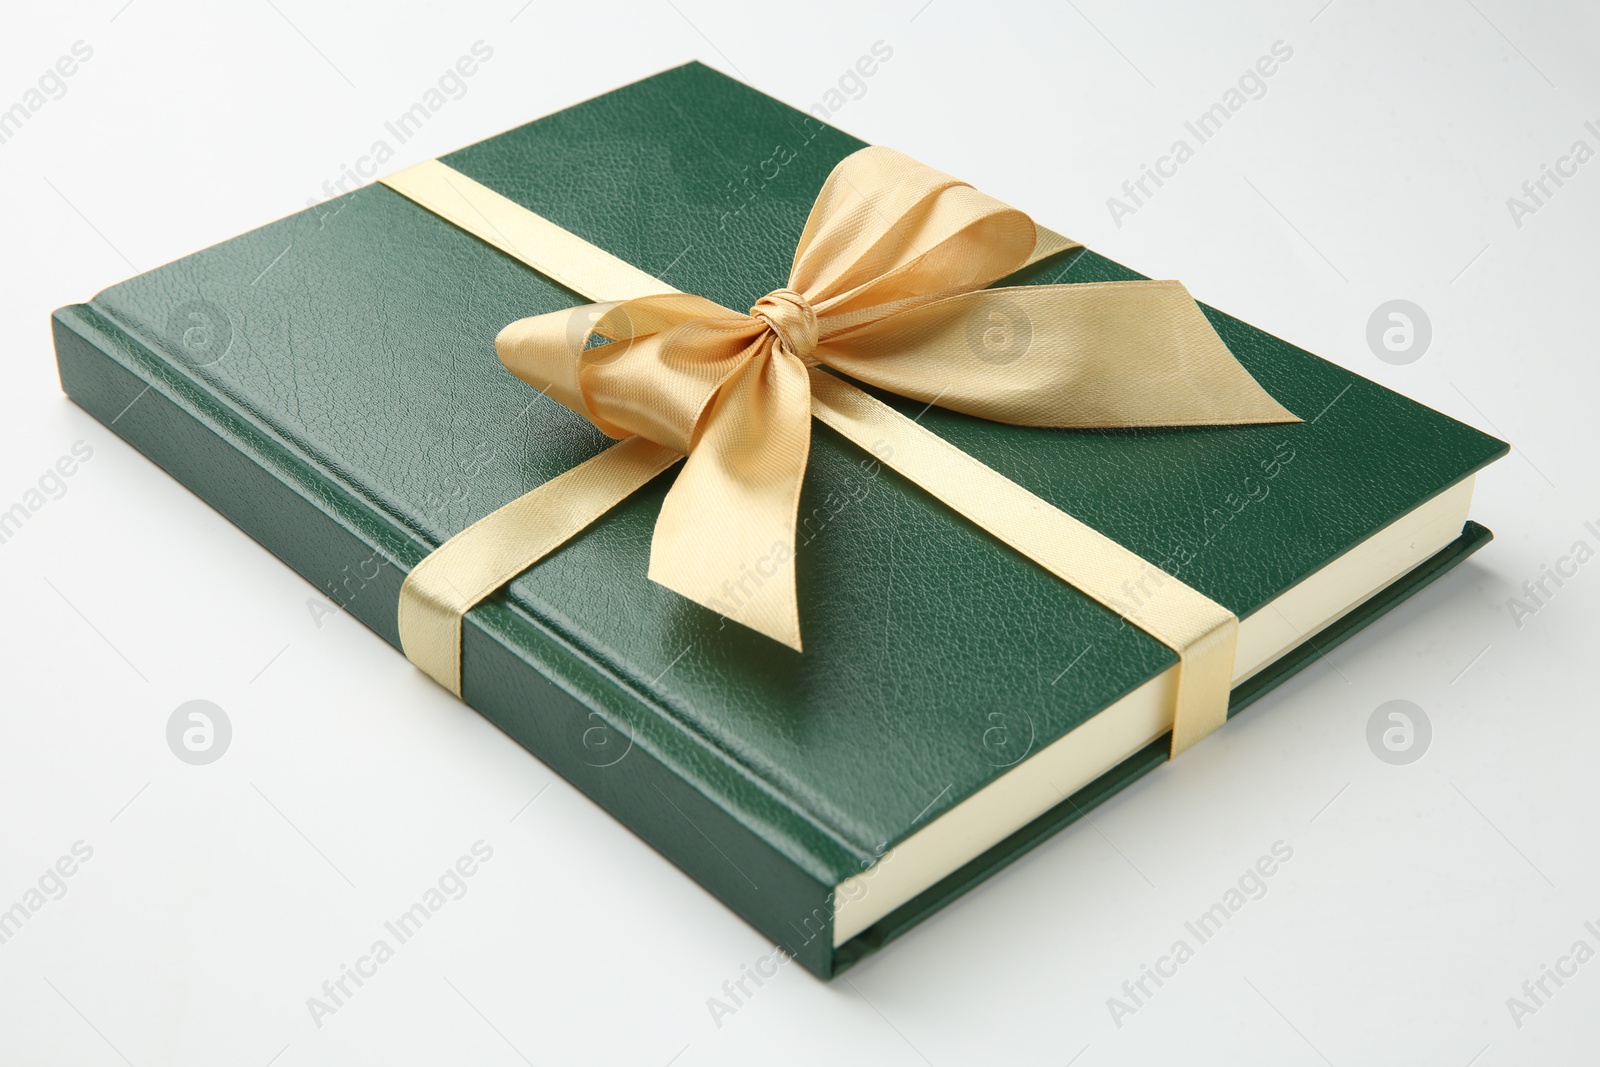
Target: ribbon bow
{"points": [[888, 286]]}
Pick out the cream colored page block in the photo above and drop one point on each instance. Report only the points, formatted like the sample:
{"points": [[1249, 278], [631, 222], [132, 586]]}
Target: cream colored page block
{"points": [[1325, 596], [1054, 773]]}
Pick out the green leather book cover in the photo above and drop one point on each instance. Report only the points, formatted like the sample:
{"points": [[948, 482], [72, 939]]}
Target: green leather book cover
{"points": [[329, 382]]}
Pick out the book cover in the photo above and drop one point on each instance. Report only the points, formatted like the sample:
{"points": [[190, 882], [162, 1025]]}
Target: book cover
{"points": [[329, 382]]}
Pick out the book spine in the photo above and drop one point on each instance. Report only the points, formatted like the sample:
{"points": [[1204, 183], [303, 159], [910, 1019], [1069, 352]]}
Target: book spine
{"points": [[238, 466], [542, 700]]}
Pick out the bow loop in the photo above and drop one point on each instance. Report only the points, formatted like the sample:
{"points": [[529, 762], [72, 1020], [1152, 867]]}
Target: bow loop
{"points": [[887, 233], [662, 360]]}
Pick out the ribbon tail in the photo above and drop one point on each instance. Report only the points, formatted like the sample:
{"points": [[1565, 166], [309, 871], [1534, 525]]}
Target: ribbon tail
{"points": [[726, 534], [1099, 354]]}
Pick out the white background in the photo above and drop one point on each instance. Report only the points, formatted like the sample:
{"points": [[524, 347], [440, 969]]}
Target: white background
{"points": [[219, 898]]}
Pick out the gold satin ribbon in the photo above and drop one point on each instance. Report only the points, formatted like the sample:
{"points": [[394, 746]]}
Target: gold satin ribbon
{"points": [[888, 286]]}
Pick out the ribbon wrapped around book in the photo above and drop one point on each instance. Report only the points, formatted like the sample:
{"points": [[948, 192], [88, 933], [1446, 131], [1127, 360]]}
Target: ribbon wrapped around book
{"points": [[889, 286]]}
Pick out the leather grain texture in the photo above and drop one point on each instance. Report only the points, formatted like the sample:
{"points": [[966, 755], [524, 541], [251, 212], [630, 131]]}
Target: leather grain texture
{"points": [[329, 383]]}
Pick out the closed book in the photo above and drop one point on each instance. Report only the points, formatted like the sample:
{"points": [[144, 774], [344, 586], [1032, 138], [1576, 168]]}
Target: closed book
{"points": [[329, 382]]}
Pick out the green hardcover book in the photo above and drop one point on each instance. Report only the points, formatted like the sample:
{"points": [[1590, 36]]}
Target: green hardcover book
{"points": [[329, 382]]}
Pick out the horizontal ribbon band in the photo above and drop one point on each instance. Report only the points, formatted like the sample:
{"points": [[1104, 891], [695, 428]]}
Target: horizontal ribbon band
{"points": [[889, 287]]}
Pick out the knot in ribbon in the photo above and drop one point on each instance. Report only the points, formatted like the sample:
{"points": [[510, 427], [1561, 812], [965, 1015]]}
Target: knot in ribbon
{"points": [[792, 320], [888, 286]]}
